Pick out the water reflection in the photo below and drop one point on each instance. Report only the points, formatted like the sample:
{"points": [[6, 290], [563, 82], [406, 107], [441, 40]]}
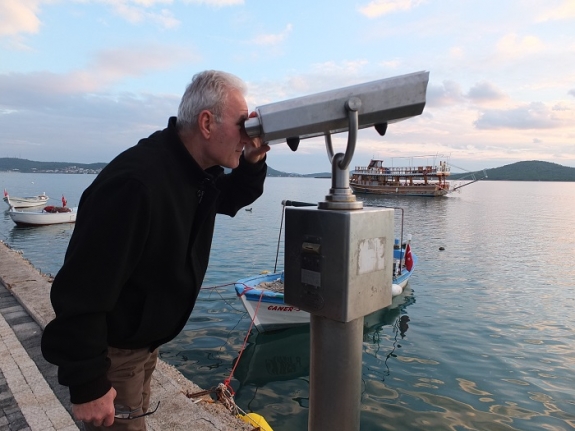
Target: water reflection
{"points": [[45, 246], [377, 343], [27, 233], [284, 356], [274, 357]]}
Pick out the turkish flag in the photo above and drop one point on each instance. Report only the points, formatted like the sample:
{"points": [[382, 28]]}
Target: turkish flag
{"points": [[408, 258]]}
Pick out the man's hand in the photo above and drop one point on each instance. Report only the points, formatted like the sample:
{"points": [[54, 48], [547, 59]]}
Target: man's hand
{"points": [[257, 150], [98, 412]]}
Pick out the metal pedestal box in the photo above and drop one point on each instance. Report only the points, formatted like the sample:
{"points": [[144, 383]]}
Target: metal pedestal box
{"points": [[338, 263]]}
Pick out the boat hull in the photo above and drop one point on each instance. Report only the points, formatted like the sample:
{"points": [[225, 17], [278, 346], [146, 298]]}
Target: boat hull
{"points": [[415, 190], [39, 218], [266, 308]]}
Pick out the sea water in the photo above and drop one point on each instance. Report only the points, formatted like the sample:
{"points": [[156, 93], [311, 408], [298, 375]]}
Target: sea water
{"points": [[482, 339]]}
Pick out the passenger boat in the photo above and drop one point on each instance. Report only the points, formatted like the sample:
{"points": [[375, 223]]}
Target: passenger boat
{"points": [[47, 216], [412, 180], [26, 201], [263, 297]]}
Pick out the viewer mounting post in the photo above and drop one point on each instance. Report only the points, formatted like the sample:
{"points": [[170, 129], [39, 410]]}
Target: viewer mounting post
{"points": [[339, 256], [338, 267]]}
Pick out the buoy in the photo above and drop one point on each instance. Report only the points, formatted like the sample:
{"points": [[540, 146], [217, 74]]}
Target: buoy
{"points": [[441, 248], [396, 289], [256, 420]]}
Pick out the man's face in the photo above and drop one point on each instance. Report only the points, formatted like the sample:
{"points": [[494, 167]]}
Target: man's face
{"points": [[229, 136]]}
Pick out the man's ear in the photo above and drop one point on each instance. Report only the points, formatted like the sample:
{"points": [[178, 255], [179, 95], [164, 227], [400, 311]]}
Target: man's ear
{"points": [[205, 123]]}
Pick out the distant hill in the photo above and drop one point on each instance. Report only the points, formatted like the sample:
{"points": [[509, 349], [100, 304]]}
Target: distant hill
{"points": [[533, 170], [318, 175], [29, 166], [273, 173]]}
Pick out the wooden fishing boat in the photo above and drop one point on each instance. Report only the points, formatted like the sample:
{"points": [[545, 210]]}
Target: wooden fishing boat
{"points": [[263, 297], [47, 216], [26, 201], [42, 218], [413, 180]]}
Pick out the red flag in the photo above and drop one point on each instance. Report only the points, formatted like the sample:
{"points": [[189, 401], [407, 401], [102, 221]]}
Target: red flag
{"points": [[63, 201], [5, 193], [408, 258]]}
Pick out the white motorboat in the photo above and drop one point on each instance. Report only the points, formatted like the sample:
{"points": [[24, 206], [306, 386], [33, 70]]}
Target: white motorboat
{"points": [[48, 215], [42, 218], [25, 201]]}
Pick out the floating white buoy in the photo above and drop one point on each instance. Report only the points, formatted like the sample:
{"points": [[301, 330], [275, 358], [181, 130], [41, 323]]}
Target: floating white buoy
{"points": [[396, 289]]}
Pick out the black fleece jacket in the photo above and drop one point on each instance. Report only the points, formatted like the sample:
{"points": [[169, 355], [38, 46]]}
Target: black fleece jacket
{"points": [[138, 255]]}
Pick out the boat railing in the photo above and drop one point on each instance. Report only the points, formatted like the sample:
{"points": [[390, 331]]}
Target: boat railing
{"points": [[443, 169]]}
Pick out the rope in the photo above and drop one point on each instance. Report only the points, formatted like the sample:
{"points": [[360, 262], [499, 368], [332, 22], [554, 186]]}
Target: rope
{"points": [[224, 390], [215, 287], [228, 380]]}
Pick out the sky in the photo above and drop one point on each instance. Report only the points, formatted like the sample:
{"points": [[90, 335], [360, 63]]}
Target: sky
{"points": [[83, 80]]}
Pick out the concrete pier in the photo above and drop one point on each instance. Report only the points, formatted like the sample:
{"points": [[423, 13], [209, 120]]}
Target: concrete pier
{"points": [[30, 396]]}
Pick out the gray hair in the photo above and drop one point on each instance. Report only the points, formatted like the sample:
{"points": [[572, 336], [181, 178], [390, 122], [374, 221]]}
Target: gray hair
{"points": [[207, 91]]}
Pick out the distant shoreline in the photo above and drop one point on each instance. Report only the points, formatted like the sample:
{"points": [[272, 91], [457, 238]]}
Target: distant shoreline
{"points": [[534, 170]]}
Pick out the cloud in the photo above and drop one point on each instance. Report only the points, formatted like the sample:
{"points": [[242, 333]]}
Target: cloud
{"points": [[485, 91], [216, 3], [113, 64], [571, 92], [321, 77], [378, 8], [512, 46], [272, 39], [449, 93], [19, 16], [391, 64], [138, 11], [565, 11], [22, 16], [82, 127], [76, 115], [107, 68], [535, 115], [561, 106]]}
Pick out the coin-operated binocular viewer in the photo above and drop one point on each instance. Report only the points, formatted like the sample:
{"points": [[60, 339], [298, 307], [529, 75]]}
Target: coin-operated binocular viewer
{"points": [[339, 256]]}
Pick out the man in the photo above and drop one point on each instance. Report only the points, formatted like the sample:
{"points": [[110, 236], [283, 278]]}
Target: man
{"points": [[140, 250]]}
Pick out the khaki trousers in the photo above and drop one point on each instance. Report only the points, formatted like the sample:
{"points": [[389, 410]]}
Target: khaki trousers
{"points": [[130, 374]]}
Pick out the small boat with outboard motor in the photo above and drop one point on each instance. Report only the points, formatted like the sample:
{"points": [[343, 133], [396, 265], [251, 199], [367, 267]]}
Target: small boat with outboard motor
{"points": [[262, 295]]}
